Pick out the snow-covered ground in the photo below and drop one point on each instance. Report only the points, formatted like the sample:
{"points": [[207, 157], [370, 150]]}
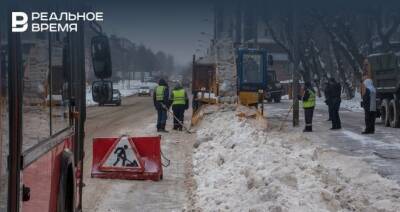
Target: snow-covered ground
{"points": [[127, 88], [353, 104], [239, 167]]}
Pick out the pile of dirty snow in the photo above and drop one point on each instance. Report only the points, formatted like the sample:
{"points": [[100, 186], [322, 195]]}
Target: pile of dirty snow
{"points": [[239, 168], [353, 104]]}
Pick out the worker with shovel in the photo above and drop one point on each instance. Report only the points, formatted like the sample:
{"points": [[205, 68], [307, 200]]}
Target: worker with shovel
{"points": [[161, 103], [180, 103]]}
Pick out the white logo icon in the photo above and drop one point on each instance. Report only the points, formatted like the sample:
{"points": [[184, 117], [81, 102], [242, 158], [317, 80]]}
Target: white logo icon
{"points": [[19, 21]]}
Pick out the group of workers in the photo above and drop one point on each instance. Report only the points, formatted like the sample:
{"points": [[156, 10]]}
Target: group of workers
{"points": [[179, 101], [163, 100], [333, 99]]}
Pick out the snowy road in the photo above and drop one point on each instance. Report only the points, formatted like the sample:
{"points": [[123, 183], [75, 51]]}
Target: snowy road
{"points": [[136, 117], [381, 150], [314, 166]]}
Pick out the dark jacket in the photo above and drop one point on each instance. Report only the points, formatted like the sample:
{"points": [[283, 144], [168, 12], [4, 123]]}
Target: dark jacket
{"points": [[327, 93], [335, 91], [166, 102]]}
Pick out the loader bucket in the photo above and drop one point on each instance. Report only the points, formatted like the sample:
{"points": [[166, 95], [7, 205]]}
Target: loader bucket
{"points": [[129, 158]]}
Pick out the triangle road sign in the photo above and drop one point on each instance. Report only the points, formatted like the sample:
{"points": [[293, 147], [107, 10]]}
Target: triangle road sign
{"points": [[122, 156]]}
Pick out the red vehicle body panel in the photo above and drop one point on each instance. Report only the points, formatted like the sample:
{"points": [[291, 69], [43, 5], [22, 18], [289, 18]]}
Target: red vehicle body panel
{"points": [[150, 155], [43, 178]]}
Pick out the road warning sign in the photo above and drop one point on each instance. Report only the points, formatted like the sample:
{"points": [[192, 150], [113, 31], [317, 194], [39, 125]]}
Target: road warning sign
{"points": [[122, 155], [129, 158]]}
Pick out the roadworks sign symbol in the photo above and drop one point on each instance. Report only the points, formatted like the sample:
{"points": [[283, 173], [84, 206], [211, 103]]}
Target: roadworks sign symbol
{"points": [[123, 156]]}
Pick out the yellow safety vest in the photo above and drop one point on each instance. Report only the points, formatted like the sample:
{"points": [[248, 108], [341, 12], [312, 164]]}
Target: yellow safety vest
{"points": [[178, 97], [160, 93], [310, 102]]}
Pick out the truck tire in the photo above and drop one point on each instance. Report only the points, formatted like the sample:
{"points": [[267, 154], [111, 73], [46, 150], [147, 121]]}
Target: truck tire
{"points": [[394, 111], [385, 113], [66, 192]]}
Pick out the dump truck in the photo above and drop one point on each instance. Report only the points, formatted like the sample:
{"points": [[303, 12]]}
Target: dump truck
{"points": [[384, 69], [204, 82]]}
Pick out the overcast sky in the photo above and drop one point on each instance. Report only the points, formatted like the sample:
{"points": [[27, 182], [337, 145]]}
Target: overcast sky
{"points": [[171, 26]]}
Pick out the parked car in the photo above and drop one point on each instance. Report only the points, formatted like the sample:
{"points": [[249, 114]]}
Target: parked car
{"points": [[144, 91], [116, 99]]}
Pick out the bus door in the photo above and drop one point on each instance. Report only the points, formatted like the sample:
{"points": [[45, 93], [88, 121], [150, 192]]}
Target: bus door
{"points": [[4, 110], [43, 103], [42, 108]]}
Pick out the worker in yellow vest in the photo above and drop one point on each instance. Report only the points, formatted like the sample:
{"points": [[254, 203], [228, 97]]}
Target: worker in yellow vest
{"points": [[180, 103], [161, 103], [308, 105]]}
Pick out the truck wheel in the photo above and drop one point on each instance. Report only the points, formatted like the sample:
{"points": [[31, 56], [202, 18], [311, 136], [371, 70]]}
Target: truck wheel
{"points": [[66, 190], [394, 114], [277, 99], [385, 113]]}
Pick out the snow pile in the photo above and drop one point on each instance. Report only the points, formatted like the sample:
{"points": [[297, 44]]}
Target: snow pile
{"points": [[89, 97], [285, 97], [353, 104], [240, 168], [133, 84]]}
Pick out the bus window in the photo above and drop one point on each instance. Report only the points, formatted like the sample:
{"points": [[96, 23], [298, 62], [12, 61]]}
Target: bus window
{"points": [[36, 104], [4, 141], [59, 83]]}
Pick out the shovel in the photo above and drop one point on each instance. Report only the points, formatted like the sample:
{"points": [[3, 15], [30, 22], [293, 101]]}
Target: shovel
{"points": [[186, 129]]}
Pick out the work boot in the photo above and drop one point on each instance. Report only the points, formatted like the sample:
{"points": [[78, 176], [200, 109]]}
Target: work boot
{"points": [[162, 129], [367, 132]]}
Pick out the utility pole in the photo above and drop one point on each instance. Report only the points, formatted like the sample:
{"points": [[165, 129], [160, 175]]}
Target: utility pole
{"points": [[295, 72]]}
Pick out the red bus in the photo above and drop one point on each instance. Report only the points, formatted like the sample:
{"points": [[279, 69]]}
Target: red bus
{"points": [[42, 112]]}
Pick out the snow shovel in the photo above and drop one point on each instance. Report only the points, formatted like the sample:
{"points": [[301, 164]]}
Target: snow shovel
{"points": [[186, 129]]}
